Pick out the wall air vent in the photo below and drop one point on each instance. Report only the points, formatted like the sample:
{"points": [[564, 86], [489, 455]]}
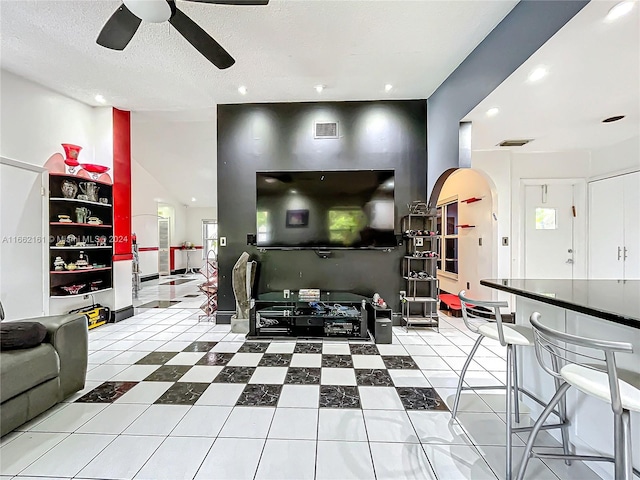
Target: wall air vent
{"points": [[325, 130], [514, 143]]}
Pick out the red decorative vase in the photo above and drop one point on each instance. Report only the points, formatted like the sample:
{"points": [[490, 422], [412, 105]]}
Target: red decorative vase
{"points": [[71, 151]]}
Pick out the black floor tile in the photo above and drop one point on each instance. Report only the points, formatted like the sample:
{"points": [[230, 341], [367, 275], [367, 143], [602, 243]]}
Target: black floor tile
{"points": [[254, 347], [421, 398], [339, 396], [308, 347], [179, 281], [373, 377], [363, 349], [399, 363], [215, 358], [234, 375], [182, 393], [158, 304], [168, 373], [107, 392], [303, 376], [275, 360], [156, 358], [200, 347], [257, 395], [191, 295], [337, 361]]}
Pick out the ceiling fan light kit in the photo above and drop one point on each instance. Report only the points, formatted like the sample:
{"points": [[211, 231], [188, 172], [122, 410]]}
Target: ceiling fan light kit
{"points": [[123, 24]]}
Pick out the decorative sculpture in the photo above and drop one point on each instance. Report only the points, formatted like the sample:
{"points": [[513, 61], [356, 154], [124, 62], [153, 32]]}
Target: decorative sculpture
{"points": [[242, 279]]}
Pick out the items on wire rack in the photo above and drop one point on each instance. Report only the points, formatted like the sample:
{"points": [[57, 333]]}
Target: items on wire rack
{"points": [[209, 288], [135, 267]]}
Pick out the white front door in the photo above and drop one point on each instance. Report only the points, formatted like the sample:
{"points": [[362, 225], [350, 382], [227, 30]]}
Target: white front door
{"points": [[549, 231]]}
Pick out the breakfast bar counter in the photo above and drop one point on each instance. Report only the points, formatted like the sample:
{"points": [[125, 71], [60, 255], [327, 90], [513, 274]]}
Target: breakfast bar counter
{"points": [[602, 309]]}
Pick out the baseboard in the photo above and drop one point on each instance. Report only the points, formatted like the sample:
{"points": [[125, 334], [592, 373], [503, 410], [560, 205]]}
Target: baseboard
{"points": [[146, 278], [122, 314], [179, 271]]}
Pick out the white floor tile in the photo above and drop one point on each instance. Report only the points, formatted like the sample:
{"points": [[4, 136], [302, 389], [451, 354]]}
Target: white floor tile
{"points": [[157, 420], [432, 363], [338, 376], [33, 422], [101, 356], [401, 461], [287, 460], [423, 350], [442, 378], [437, 427], [389, 426], [202, 421], [102, 373], [486, 429], [69, 419], [188, 336], [211, 337], [221, 394], [368, 361], [134, 373], [469, 401], [408, 378], [447, 351], [344, 461], [306, 360], [24, 450], [245, 360], [457, 462], [392, 350], [201, 373], [341, 424], [126, 358], [144, 392], [121, 345], [301, 396], [231, 459], [294, 424], [177, 458], [496, 458], [186, 358], [380, 398], [335, 348], [113, 420], [411, 340], [248, 422], [269, 375], [69, 456], [174, 346], [122, 458], [227, 347]]}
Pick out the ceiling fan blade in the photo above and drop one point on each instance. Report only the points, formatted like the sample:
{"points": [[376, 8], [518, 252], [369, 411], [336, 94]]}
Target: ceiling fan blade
{"points": [[119, 29], [234, 2], [201, 40]]}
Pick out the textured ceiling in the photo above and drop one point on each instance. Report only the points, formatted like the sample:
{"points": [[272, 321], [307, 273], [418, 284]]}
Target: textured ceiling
{"points": [[594, 73], [354, 47]]}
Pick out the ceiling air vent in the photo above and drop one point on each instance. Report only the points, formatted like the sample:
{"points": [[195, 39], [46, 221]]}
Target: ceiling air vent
{"points": [[325, 130], [514, 143]]}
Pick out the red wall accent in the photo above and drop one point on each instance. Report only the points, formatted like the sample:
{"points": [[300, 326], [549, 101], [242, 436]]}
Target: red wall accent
{"points": [[122, 185]]}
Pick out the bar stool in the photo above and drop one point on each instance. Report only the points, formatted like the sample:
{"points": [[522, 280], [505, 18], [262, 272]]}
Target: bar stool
{"points": [[484, 318], [599, 378]]}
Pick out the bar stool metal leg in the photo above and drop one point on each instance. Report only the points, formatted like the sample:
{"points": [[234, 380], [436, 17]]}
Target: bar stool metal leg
{"points": [[509, 400], [462, 374], [516, 385], [622, 435]]}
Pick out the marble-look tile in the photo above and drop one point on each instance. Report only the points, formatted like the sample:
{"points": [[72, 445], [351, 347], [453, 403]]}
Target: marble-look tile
{"points": [[373, 377], [275, 360], [156, 358], [260, 395], [303, 376], [339, 396], [363, 349], [337, 361], [235, 375], [215, 358], [107, 392], [182, 393], [200, 346], [308, 347], [400, 362], [168, 373], [254, 347], [421, 398]]}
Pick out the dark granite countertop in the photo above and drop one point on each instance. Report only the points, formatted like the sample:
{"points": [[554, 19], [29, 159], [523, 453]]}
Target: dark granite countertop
{"points": [[614, 300]]}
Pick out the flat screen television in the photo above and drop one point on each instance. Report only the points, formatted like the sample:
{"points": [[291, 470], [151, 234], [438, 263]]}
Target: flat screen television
{"points": [[325, 209]]}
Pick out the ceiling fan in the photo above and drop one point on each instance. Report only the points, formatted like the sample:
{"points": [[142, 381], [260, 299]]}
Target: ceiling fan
{"points": [[123, 24]]}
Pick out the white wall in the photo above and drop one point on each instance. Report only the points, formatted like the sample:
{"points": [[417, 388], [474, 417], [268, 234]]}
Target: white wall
{"points": [[618, 158]]}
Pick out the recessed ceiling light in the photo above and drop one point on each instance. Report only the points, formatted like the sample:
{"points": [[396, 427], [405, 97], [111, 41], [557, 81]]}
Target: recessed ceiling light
{"points": [[319, 88], [619, 10], [538, 74], [615, 118], [293, 191], [493, 111], [243, 90], [193, 199], [100, 99], [388, 87]]}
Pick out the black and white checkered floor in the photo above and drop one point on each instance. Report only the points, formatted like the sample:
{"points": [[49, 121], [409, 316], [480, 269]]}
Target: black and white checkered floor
{"points": [[170, 398]]}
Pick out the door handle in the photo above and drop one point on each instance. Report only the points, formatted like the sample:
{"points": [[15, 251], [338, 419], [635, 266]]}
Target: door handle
{"points": [[619, 252], [625, 253], [570, 261]]}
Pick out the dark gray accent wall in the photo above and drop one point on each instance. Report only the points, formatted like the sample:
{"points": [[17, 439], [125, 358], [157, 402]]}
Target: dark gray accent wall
{"points": [[525, 29], [388, 135]]}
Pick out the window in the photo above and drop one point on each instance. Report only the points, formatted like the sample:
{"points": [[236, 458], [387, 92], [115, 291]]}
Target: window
{"points": [[264, 226], [545, 218], [345, 225], [447, 224], [209, 238]]}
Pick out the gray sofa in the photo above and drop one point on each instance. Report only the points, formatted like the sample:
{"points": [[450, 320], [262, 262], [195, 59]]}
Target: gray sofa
{"points": [[34, 379]]}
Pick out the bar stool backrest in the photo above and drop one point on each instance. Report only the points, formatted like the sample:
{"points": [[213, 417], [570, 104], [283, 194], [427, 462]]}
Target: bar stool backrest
{"points": [[553, 351], [478, 312]]}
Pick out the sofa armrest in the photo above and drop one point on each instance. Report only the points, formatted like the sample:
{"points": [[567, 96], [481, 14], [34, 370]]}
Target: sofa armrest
{"points": [[69, 336]]}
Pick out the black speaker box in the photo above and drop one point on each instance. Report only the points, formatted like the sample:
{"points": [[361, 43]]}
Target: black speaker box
{"points": [[251, 239]]}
